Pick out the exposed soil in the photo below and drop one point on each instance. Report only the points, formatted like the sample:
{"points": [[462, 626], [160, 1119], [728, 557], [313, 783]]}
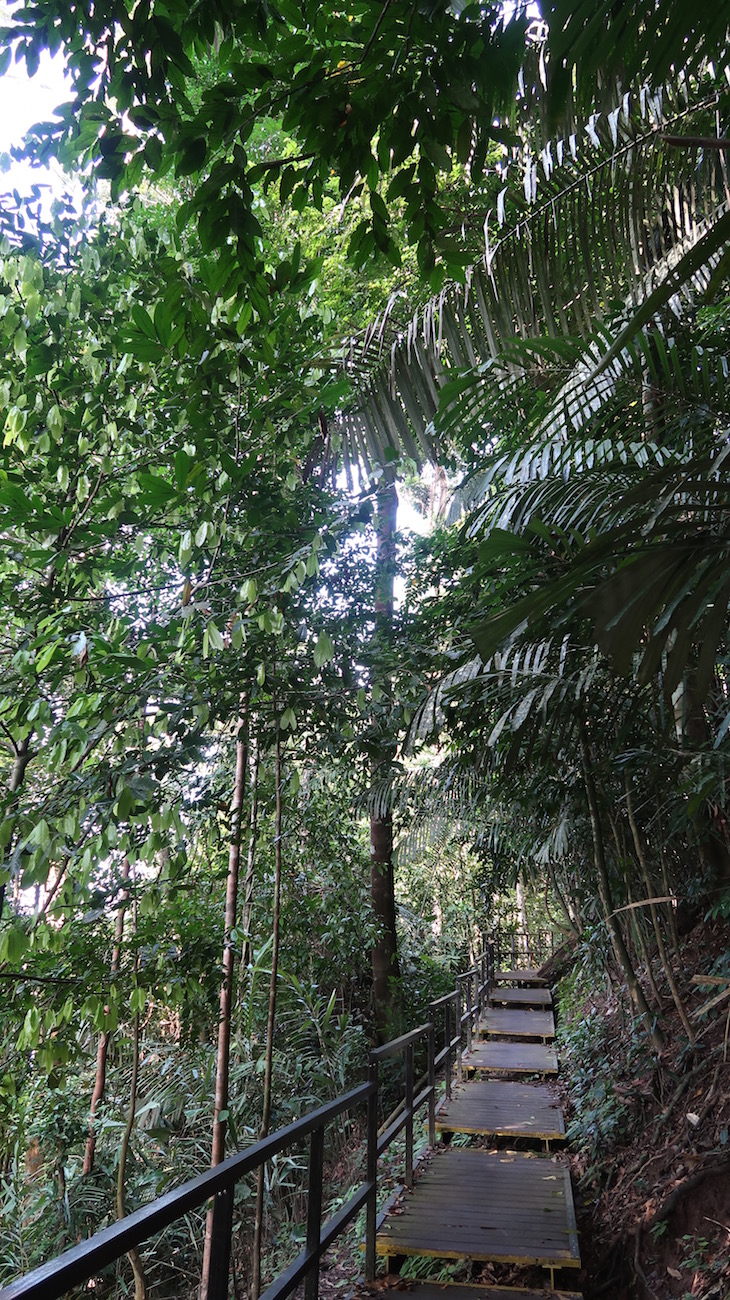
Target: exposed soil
{"points": [[654, 1208]]}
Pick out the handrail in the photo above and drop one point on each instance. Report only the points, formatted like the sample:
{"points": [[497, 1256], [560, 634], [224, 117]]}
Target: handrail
{"points": [[524, 946], [55, 1278], [440, 1002], [81, 1262], [397, 1045]]}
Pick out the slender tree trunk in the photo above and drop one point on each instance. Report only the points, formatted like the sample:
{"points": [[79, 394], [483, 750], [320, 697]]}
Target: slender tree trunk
{"points": [[522, 914], [663, 957], [385, 967], [551, 880], [270, 1025], [670, 891], [102, 1050], [636, 992], [21, 759], [247, 917], [640, 944], [140, 1286], [227, 985]]}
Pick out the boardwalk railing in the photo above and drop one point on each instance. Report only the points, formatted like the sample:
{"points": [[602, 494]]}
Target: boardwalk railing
{"points": [[460, 1008], [521, 949]]}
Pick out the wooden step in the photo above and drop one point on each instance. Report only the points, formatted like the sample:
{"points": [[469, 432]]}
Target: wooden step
{"points": [[506, 1206], [520, 997], [511, 1058], [520, 977], [453, 1291], [497, 1108], [517, 1022]]}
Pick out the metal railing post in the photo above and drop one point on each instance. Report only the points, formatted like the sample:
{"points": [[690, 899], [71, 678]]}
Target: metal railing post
{"points": [[447, 1044], [371, 1174], [314, 1212], [468, 1010], [409, 1115], [220, 1254], [431, 1086], [457, 1035]]}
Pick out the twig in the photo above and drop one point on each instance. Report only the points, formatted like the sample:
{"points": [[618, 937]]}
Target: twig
{"points": [[717, 1223], [683, 1085], [711, 1091], [721, 997]]}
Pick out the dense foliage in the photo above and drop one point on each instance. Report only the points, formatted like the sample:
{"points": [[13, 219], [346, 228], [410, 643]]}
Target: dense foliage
{"points": [[208, 688]]}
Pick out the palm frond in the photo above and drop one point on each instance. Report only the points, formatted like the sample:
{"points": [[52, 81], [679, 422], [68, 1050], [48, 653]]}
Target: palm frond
{"points": [[609, 220]]}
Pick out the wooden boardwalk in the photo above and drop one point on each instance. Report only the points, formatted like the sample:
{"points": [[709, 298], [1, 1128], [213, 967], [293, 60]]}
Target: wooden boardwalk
{"points": [[512, 997], [525, 978], [449, 1291], [506, 1207], [517, 1022], [499, 1108], [511, 1058]]}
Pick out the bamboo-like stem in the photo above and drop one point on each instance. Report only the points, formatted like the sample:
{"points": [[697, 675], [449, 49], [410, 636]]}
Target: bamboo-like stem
{"points": [[640, 938], [247, 914], [666, 964], [623, 960]]}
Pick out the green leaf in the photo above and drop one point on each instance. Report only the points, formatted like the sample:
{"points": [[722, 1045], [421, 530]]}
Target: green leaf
{"points": [[324, 650]]}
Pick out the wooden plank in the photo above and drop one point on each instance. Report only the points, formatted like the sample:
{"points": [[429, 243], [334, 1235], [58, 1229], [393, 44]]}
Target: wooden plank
{"points": [[517, 1022], [523, 977], [450, 1291], [502, 1206], [511, 1058], [521, 997], [502, 1109]]}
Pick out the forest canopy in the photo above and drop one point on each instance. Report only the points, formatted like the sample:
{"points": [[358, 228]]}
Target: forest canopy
{"points": [[270, 766]]}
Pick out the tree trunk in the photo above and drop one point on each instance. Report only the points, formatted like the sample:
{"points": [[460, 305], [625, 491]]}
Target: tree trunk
{"points": [[270, 1026], [523, 943], [636, 992], [102, 1050], [247, 917], [140, 1286], [227, 985], [384, 956]]}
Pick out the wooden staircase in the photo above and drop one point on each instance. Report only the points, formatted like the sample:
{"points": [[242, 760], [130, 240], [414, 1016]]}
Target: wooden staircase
{"points": [[497, 1205]]}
